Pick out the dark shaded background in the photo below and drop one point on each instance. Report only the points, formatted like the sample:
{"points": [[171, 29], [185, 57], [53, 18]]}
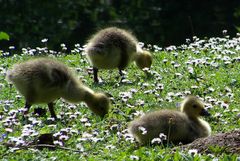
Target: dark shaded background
{"points": [[161, 22]]}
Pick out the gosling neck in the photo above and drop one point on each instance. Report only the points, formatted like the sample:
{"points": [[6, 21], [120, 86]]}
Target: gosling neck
{"points": [[194, 118], [139, 49], [77, 92], [139, 52]]}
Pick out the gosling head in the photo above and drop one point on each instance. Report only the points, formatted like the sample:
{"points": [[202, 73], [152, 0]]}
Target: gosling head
{"points": [[144, 60], [193, 107], [100, 104]]}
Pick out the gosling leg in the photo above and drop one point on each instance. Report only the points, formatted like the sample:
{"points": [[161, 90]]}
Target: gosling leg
{"points": [[25, 117], [121, 74], [95, 74], [51, 109], [27, 106]]}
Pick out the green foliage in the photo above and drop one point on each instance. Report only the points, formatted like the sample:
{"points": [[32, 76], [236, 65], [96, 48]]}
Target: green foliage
{"points": [[4, 36], [214, 77], [217, 149]]}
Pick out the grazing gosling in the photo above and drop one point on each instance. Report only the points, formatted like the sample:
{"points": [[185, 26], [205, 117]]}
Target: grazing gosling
{"points": [[115, 48], [44, 80], [179, 126]]}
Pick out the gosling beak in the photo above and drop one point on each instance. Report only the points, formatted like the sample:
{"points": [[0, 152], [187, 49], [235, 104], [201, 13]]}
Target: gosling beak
{"points": [[205, 113]]}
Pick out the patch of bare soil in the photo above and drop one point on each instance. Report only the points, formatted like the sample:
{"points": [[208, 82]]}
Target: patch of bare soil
{"points": [[219, 143]]}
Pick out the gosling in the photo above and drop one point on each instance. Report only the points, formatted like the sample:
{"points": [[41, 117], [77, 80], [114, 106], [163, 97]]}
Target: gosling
{"points": [[115, 48], [44, 80], [179, 126]]}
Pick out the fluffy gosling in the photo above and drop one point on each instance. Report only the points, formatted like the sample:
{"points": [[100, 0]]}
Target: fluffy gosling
{"points": [[179, 126], [44, 80], [115, 48]]}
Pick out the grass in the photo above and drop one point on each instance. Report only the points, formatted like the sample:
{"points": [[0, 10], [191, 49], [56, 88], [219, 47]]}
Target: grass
{"points": [[207, 68]]}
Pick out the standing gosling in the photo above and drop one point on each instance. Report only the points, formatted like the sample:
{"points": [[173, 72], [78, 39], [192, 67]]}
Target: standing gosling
{"points": [[44, 80], [179, 126], [115, 48]]}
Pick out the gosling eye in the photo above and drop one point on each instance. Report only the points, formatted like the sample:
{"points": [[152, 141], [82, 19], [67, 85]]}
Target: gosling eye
{"points": [[194, 106]]}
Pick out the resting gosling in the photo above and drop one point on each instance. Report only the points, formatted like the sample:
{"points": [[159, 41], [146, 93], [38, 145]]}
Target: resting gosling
{"points": [[179, 126], [44, 80], [115, 48]]}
